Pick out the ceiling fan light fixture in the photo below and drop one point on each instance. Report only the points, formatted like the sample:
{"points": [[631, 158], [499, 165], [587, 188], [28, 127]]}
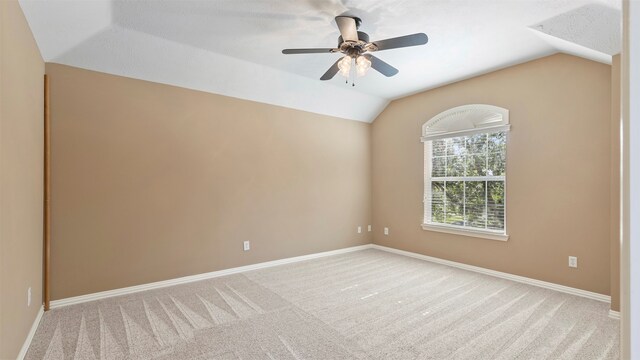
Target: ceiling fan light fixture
{"points": [[362, 65], [345, 66]]}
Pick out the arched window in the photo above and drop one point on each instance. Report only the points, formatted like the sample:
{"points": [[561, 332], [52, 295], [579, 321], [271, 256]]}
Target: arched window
{"points": [[465, 152]]}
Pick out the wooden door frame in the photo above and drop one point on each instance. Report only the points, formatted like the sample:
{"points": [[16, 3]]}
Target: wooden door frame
{"points": [[46, 246]]}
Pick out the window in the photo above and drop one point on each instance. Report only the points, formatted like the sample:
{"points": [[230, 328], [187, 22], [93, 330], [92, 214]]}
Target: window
{"points": [[465, 171]]}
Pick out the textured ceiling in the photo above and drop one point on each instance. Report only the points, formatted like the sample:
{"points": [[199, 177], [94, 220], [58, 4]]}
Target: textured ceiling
{"points": [[592, 31], [232, 47]]}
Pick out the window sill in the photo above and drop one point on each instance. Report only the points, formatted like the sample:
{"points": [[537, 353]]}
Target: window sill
{"points": [[466, 232]]}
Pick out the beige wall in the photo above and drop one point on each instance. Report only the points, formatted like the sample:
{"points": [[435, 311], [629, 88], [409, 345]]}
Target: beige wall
{"points": [[558, 172], [145, 173], [21, 164], [615, 183], [152, 182]]}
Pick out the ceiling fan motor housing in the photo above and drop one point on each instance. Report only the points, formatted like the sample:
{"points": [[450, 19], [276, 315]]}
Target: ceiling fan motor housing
{"points": [[355, 48]]}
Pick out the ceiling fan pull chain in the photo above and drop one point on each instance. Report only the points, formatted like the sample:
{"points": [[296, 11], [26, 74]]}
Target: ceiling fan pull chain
{"points": [[353, 73]]}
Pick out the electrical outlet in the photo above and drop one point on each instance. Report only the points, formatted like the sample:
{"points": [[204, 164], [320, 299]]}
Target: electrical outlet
{"points": [[29, 296], [573, 261], [386, 231], [246, 246], [369, 228], [359, 229]]}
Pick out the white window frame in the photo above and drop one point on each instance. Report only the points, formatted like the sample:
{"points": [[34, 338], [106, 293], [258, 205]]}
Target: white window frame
{"points": [[456, 122]]}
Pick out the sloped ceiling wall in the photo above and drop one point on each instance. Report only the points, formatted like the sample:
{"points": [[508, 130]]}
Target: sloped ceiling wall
{"points": [[234, 48]]}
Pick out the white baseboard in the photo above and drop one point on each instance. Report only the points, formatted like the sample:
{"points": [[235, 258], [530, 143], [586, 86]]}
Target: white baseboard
{"points": [[615, 315], [32, 332], [187, 279], [503, 275], [236, 270]]}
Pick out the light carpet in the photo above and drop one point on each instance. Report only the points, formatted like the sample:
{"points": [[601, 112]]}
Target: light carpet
{"points": [[367, 304]]}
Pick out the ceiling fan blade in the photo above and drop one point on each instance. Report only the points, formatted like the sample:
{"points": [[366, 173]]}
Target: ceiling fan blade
{"points": [[402, 41], [308, 51], [333, 70], [381, 66], [348, 28]]}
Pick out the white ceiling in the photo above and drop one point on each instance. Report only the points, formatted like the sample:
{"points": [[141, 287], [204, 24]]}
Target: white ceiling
{"points": [[233, 47]]}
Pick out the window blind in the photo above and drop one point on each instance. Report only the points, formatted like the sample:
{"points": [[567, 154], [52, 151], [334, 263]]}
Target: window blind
{"points": [[465, 181]]}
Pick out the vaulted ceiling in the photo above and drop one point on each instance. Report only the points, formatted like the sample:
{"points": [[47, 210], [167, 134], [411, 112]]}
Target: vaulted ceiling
{"points": [[233, 47]]}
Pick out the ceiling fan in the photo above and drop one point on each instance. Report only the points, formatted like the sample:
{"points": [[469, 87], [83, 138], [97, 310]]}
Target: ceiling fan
{"points": [[356, 48]]}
